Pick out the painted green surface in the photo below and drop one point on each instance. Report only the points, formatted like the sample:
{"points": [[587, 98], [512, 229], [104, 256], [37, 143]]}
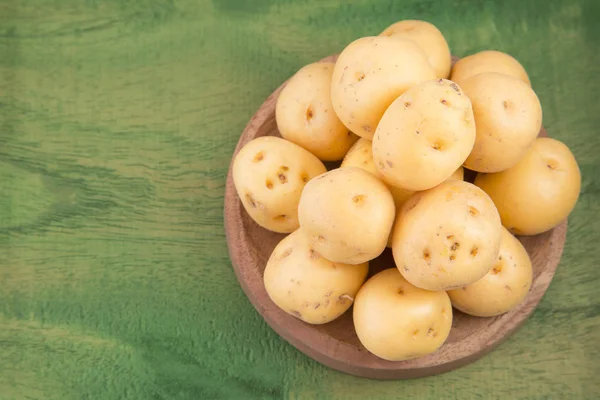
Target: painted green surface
{"points": [[117, 123]]}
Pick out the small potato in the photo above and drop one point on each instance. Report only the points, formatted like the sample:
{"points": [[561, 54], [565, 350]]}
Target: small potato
{"points": [[446, 237], [369, 74], [306, 285], [508, 117], [305, 115], [488, 61], [397, 321], [539, 192], [503, 288], [269, 174], [429, 38], [348, 215], [424, 136]]}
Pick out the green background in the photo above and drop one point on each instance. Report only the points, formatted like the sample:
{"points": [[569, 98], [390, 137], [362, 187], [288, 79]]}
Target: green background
{"points": [[117, 124]]}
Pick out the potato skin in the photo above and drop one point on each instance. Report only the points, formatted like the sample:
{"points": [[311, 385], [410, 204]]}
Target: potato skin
{"points": [[305, 115], [424, 136], [537, 193], [369, 74], [397, 321], [429, 38], [348, 214], [508, 117], [488, 61], [304, 284], [269, 174], [501, 289], [446, 237]]}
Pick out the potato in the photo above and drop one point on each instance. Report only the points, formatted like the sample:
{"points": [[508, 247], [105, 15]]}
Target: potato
{"points": [[501, 289], [397, 321], [508, 117], [539, 192], [446, 237], [269, 174], [305, 115], [369, 74], [488, 61], [429, 38], [306, 285], [424, 136], [361, 155], [348, 215]]}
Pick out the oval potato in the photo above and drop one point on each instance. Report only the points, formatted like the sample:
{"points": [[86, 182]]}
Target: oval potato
{"points": [[269, 174], [369, 74], [446, 237], [397, 321], [305, 115], [424, 136], [308, 286], [488, 61], [429, 38], [348, 214], [508, 117], [537, 193], [501, 289]]}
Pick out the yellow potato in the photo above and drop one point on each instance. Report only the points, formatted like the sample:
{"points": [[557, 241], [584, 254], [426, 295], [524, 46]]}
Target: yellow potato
{"points": [[306, 285], [429, 38], [446, 237], [397, 321], [539, 192], [424, 136], [501, 289], [488, 61], [348, 215], [369, 74], [361, 155], [269, 174], [508, 117], [305, 115]]}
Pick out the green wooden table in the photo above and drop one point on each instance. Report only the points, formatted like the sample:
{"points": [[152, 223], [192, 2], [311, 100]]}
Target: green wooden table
{"points": [[117, 123]]}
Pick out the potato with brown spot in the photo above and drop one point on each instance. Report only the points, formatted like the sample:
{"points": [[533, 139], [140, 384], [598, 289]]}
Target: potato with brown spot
{"points": [[269, 174], [440, 242], [426, 142], [488, 61], [508, 118], [429, 38], [544, 188], [397, 321], [348, 215], [301, 282], [305, 116], [501, 289], [370, 74]]}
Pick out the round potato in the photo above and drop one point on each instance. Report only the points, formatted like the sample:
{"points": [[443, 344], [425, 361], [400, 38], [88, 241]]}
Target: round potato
{"points": [[429, 38], [369, 74], [488, 61], [305, 115], [424, 136], [508, 117], [501, 289], [446, 237], [539, 192], [306, 285], [348, 214], [397, 321], [269, 174]]}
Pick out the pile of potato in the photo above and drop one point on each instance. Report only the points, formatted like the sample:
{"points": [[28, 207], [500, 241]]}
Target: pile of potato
{"points": [[405, 123]]}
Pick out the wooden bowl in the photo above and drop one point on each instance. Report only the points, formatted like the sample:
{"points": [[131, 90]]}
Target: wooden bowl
{"points": [[335, 344]]}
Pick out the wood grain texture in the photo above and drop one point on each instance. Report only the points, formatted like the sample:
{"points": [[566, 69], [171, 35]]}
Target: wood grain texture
{"points": [[336, 344], [118, 120]]}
